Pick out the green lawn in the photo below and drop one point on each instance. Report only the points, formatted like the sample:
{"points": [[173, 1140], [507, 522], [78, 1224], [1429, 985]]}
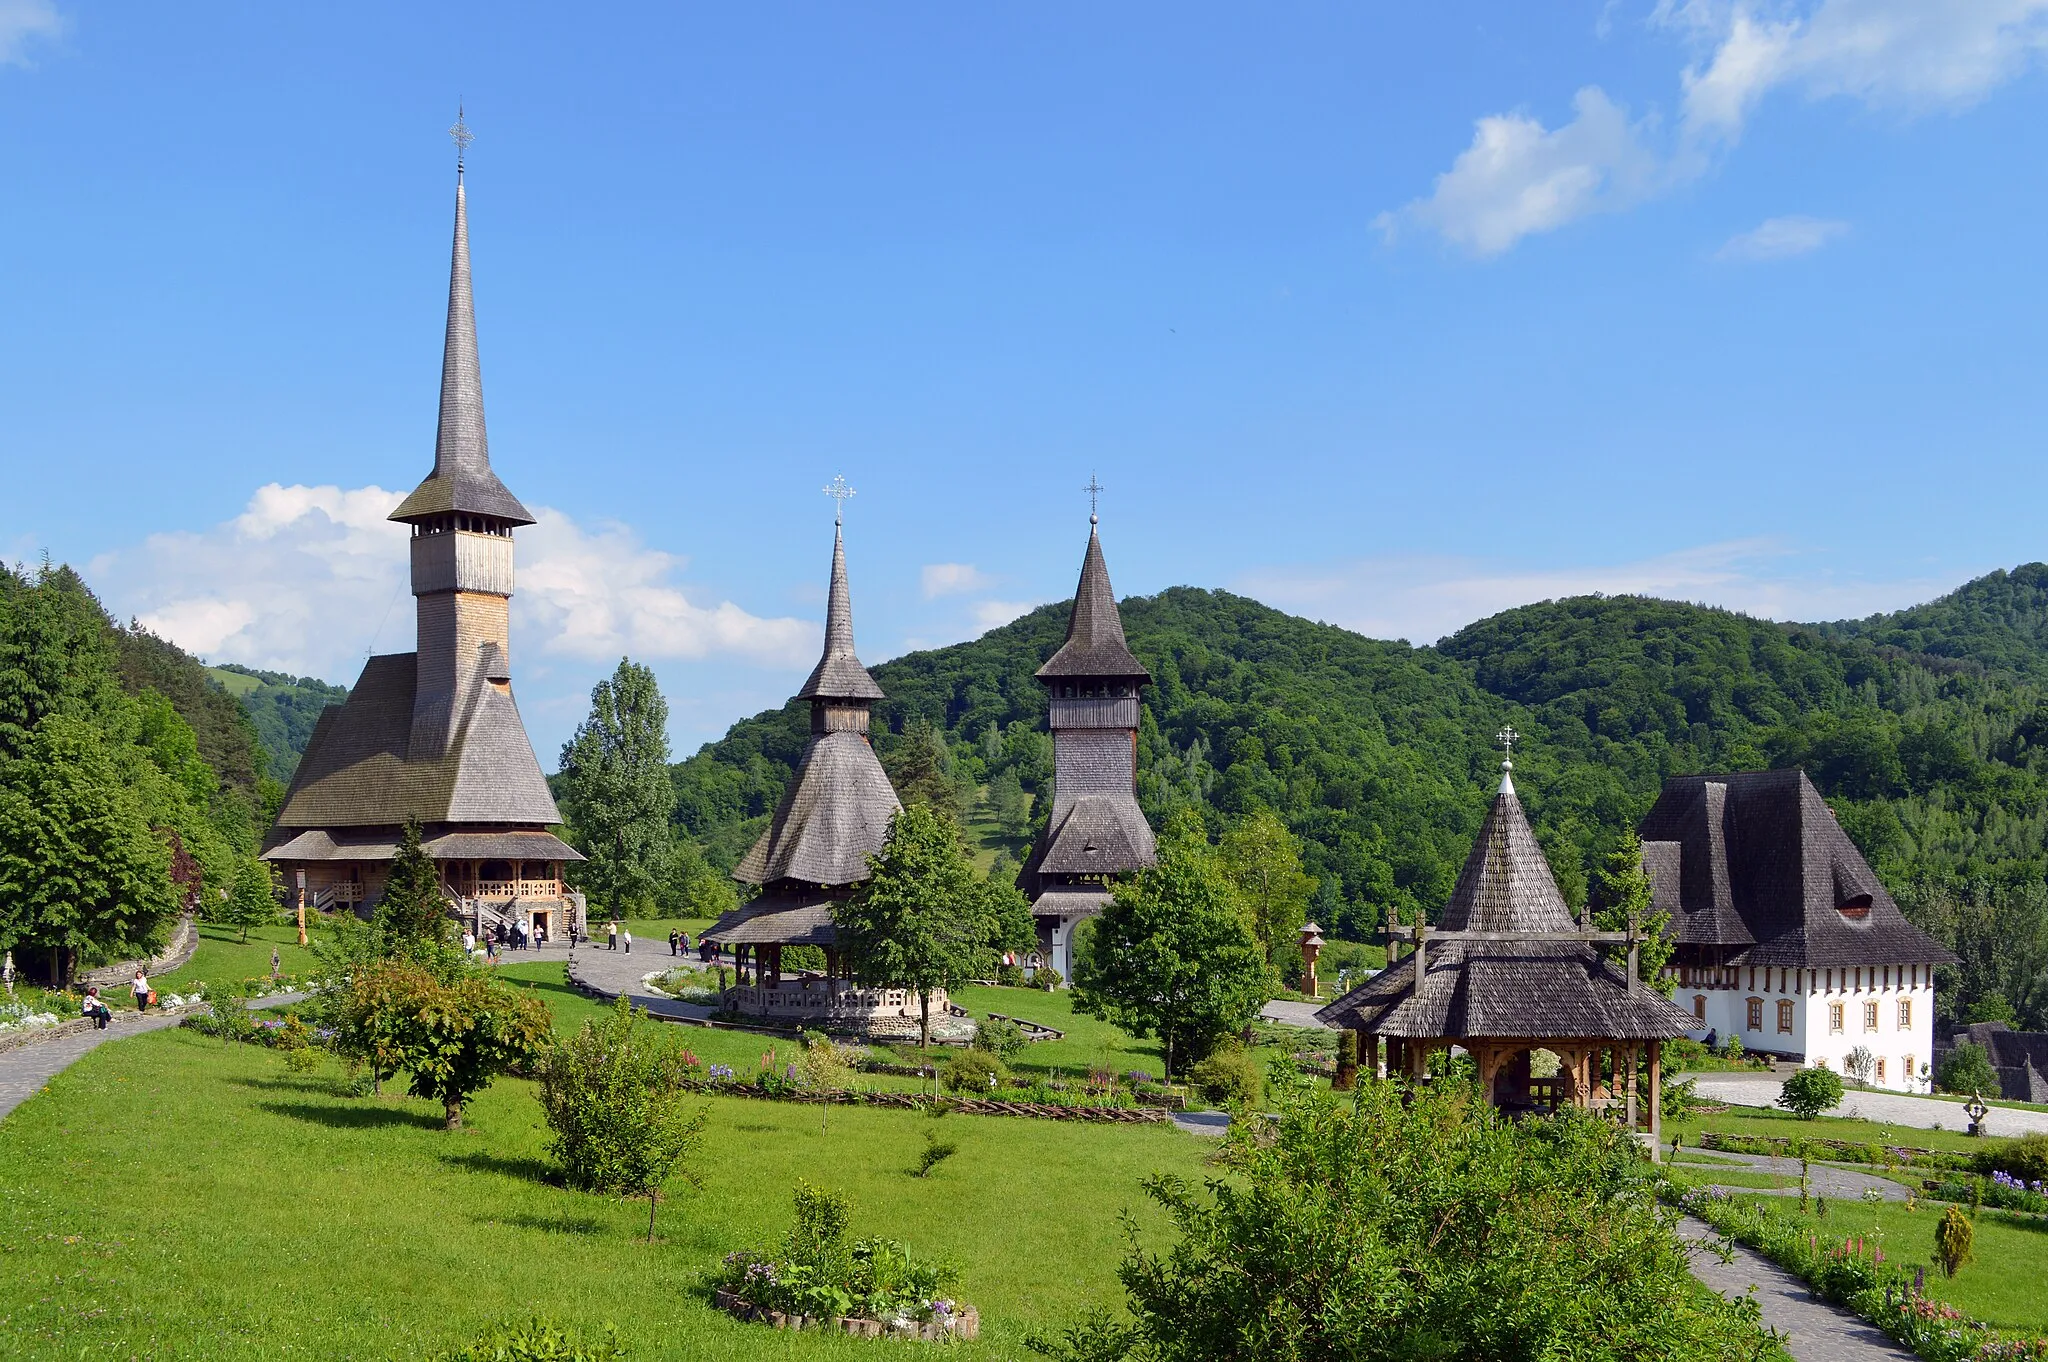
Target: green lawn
{"points": [[1089, 1042], [2002, 1287], [1694, 1176], [223, 956], [1761, 1121], [170, 1197]]}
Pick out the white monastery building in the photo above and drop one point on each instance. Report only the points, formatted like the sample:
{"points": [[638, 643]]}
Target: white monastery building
{"points": [[1786, 939]]}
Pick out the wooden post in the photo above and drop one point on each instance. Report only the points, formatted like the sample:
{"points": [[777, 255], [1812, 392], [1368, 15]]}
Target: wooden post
{"points": [[1421, 951], [1633, 1055], [1369, 1058], [1656, 1093]]}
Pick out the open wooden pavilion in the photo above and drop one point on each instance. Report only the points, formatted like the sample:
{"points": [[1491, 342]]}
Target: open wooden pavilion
{"points": [[1508, 973]]}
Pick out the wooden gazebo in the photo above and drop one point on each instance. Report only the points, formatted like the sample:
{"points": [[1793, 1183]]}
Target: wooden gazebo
{"points": [[1509, 973]]}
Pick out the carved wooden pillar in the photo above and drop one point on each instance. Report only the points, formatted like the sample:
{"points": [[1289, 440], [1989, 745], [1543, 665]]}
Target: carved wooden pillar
{"points": [[1656, 1081], [1629, 1096], [1369, 1058]]}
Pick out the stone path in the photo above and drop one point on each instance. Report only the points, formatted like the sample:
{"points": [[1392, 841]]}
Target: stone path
{"points": [[24, 1071], [1814, 1330], [611, 973], [1839, 1184], [1293, 1014], [1889, 1108]]}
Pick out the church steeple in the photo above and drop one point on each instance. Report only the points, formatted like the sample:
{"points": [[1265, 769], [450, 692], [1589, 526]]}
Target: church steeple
{"points": [[462, 481], [839, 674]]}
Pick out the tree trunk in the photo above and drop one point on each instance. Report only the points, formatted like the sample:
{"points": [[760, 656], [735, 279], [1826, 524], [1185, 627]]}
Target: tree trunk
{"points": [[924, 1023], [454, 1108], [653, 1198]]}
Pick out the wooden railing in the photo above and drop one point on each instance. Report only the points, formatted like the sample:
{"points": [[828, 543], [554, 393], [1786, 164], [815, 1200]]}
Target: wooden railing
{"points": [[517, 889]]}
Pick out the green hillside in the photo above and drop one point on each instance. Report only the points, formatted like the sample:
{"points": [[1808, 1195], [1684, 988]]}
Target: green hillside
{"points": [[283, 709], [1924, 729]]}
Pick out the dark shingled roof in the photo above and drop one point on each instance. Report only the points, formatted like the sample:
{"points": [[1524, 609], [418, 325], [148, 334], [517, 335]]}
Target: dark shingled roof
{"points": [[357, 772], [1508, 989], [792, 917], [319, 844], [462, 479], [834, 815], [839, 674], [1095, 644], [1095, 834], [1755, 862]]}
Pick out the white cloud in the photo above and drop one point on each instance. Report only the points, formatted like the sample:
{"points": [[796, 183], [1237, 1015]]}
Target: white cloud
{"points": [[1519, 177], [1913, 55], [310, 579], [21, 22], [952, 579], [1781, 238], [995, 614], [1423, 598]]}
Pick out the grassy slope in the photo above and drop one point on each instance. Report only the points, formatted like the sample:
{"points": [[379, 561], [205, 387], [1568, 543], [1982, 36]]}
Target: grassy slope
{"points": [[293, 1222], [1759, 1122], [223, 955]]}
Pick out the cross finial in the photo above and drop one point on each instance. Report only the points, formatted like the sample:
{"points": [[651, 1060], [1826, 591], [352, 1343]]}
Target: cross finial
{"points": [[1094, 489], [839, 492], [462, 137], [1508, 738]]}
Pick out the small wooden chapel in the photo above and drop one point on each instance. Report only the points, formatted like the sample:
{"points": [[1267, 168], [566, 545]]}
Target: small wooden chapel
{"points": [[1508, 973]]}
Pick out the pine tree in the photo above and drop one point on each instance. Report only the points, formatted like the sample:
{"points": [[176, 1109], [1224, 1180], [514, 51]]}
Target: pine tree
{"points": [[412, 917], [615, 781], [1625, 900]]}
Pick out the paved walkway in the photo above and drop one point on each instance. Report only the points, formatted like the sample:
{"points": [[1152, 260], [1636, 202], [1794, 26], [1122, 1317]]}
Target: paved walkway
{"points": [[25, 1070], [1293, 1014], [1890, 1108], [1814, 1330], [1839, 1184], [611, 973]]}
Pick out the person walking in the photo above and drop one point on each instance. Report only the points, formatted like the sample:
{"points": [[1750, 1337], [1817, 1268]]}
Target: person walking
{"points": [[682, 943], [629, 941], [140, 988], [468, 942]]}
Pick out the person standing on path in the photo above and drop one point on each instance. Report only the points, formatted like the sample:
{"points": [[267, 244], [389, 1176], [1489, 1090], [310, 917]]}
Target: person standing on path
{"points": [[629, 942], [275, 965], [140, 988], [671, 943], [611, 936]]}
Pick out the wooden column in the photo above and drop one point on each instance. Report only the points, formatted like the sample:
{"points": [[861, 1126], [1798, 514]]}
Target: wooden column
{"points": [[1630, 1097], [1369, 1059], [1656, 1092], [1486, 1059]]}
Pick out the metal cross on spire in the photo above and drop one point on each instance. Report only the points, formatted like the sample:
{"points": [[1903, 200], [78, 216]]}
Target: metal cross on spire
{"points": [[1094, 489], [1508, 738], [839, 492], [461, 136]]}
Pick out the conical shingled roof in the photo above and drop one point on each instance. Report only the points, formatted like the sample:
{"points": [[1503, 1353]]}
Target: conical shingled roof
{"points": [[462, 479], [1506, 885], [1095, 644], [839, 674]]}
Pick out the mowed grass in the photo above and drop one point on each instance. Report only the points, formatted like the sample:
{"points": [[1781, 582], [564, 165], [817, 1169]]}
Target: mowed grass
{"points": [[2002, 1287], [223, 957], [1089, 1042], [1764, 1123], [171, 1197]]}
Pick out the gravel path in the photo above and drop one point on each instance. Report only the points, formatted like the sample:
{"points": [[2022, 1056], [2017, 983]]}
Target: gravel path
{"points": [[24, 1071], [1839, 1184], [1293, 1014], [611, 973], [1890, 1108]]}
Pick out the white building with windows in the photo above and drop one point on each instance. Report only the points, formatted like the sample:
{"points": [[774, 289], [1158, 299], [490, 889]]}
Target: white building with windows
{"points": [[1786, 940]]}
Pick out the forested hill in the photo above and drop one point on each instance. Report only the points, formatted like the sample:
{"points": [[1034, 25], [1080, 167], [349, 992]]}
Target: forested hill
{"points": [[283, 709], [1923, 728]]}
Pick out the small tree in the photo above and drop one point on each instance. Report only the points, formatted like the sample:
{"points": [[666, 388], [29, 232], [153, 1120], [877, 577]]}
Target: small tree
{"points": [[615, 1097], [464, 1034], [1953, 1235], [1624, 899], [251, 901], [1810, 1092], [371, 1013], [1009, 803], [1263, 860], [1859, 1064], [1173, 954], [919, 921], [1966, 1068]]}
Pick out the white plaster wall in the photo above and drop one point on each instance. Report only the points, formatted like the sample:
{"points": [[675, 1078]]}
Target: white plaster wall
{"points": [[1905, 1052]]}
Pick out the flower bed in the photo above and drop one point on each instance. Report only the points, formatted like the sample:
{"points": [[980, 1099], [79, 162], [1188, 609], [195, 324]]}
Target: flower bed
{"points": [[1854, 1273], [2001, 1190], [1835, 1151], [723, 1083], [963, 1324]]}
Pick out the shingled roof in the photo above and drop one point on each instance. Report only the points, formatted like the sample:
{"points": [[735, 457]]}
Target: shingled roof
{"points": [[1754, 862], [462, 479], [357, 772], [785, 917], [1529, 989], [1095, 644], [839, 674], [835, 812]]}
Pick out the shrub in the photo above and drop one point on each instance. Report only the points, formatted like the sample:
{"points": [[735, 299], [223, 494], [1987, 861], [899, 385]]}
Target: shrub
{"points": [[226, 1017], [1010, 976], [614, 1096], [1003, 1039], [1047, 978], [1231, 1078], [2025, 1158], [538, 1340], [302, 1059], [935, 1152], [973, 1071], [1810, 1092], [819, 1273], [1414, 1223], [1859, 1064], [1952, 1238], [1966, 1069]]}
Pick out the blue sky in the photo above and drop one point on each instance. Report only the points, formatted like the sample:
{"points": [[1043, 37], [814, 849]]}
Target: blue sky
{"points": [[1390, 315]]}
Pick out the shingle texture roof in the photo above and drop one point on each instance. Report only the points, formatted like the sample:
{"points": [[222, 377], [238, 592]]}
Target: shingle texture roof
{"points": [[1507, 989], [2020, 1058], [319, 844], [356, 771], [834, 815], [839, 674], [462, 479], [1755, 862], [783, 918], [1095, 835], [1095, 644]]}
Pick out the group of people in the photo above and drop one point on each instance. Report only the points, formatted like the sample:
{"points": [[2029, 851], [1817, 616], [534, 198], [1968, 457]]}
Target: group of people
{"points": [[613, 935], [96, 1008], [678, 942], [518, 936]]}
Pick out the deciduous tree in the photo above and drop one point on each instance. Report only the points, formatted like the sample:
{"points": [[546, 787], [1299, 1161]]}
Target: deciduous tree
{"points": [[616, 786], [920, 920], [1263, 860]]}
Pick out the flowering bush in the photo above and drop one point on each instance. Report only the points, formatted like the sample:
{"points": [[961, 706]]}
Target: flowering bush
{"points": [[22, 1017], [2000, 1190], [817, 1272]]}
